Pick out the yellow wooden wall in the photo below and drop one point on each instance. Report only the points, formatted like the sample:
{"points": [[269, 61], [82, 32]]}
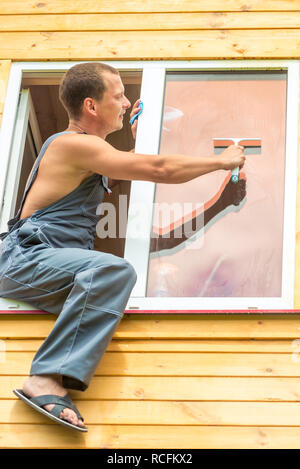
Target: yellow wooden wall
{"points": [[159, 29], [176, 381], [4, 73], [168, 382]]}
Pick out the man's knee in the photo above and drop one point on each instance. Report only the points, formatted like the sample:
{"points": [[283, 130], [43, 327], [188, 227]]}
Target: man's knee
{"points": [[116, 269], [133, 274], [127, 270]]}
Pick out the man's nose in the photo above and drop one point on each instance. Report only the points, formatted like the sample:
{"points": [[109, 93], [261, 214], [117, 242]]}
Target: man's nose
{"points": [[127, 103]]}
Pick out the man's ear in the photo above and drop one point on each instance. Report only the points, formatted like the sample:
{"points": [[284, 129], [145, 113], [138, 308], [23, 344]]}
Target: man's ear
{"points": [[89, 105]]}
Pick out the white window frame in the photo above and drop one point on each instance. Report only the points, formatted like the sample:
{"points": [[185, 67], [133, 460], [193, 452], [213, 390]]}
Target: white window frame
{"points": [[142, 193], [25, 117]]}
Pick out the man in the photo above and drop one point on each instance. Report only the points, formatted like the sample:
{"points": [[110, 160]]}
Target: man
{"points": [[47, 256]]}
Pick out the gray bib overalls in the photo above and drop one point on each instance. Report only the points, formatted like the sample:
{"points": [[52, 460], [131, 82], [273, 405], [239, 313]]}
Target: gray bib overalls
{"points": [[48, 261]]}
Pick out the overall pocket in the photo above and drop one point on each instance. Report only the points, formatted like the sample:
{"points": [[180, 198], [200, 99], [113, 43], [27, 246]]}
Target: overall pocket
{"points": [[31, 234]]}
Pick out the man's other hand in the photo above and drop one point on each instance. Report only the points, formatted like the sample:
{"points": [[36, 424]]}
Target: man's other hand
{"points": [[134, 111]]}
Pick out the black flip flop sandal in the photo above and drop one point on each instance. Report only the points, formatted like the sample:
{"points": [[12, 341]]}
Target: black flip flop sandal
{"points": [[61, 404]]}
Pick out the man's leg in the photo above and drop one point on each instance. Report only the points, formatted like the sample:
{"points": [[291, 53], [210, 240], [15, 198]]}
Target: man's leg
{"points": [[88, 319], [89, 291]]}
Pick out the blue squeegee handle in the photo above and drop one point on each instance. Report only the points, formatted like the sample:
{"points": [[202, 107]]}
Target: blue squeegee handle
{"points": [[235, 175], [141, 106]]}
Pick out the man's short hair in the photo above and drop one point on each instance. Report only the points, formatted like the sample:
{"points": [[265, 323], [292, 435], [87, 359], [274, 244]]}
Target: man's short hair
{"points": [[83, 81]]}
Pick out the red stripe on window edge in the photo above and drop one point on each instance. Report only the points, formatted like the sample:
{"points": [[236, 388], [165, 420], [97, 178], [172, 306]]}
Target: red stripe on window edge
{"points": [[162, 311]]}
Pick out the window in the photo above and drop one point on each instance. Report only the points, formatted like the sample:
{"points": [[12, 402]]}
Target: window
{"points": [[239, 250], [203, 245]]}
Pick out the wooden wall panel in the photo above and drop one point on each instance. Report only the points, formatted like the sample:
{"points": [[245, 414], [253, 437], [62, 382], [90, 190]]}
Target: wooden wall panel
{"points": [[175, 364], [149, 21], [156, 326], [4, 74], [212, 392], [133, 6], [135, 45], [188, 388], [149, 436], [176, 345], [171, 413]]}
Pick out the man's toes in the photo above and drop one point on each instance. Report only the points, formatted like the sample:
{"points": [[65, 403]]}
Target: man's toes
{"points": [[69, 416]]}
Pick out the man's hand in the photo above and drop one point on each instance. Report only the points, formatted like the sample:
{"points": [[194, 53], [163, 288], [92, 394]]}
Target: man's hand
{"points": [[233, 157], [134, 111]]}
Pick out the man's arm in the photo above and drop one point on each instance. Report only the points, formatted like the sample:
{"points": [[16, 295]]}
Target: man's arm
{"points": [[115, 182], [95, 154]]}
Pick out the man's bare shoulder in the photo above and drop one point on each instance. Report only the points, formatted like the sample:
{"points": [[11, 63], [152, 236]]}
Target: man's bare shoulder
{"points": [[75, 141], [75, 148]]}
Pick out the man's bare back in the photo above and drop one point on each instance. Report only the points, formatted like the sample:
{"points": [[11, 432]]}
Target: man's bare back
{"points": [[56, 178]]}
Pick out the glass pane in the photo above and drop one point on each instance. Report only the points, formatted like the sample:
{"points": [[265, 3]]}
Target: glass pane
{"points": [[209, 238]]}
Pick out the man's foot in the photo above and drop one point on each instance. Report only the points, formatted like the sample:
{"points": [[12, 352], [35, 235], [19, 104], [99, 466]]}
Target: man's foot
{"points": [[50, 384]]}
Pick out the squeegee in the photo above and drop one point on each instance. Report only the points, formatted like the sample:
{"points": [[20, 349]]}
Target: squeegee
{"points": [[252, 146]]}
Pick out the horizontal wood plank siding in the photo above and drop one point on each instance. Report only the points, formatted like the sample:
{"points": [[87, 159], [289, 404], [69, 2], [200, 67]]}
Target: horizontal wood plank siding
{"points": [[177, 345], [150, 436], [150, 21], [149, 412], [147, 6], [208, 381], [170, 327], [249, 388], [147, 45], [4, 74], [175, 364], [188, 388]]}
